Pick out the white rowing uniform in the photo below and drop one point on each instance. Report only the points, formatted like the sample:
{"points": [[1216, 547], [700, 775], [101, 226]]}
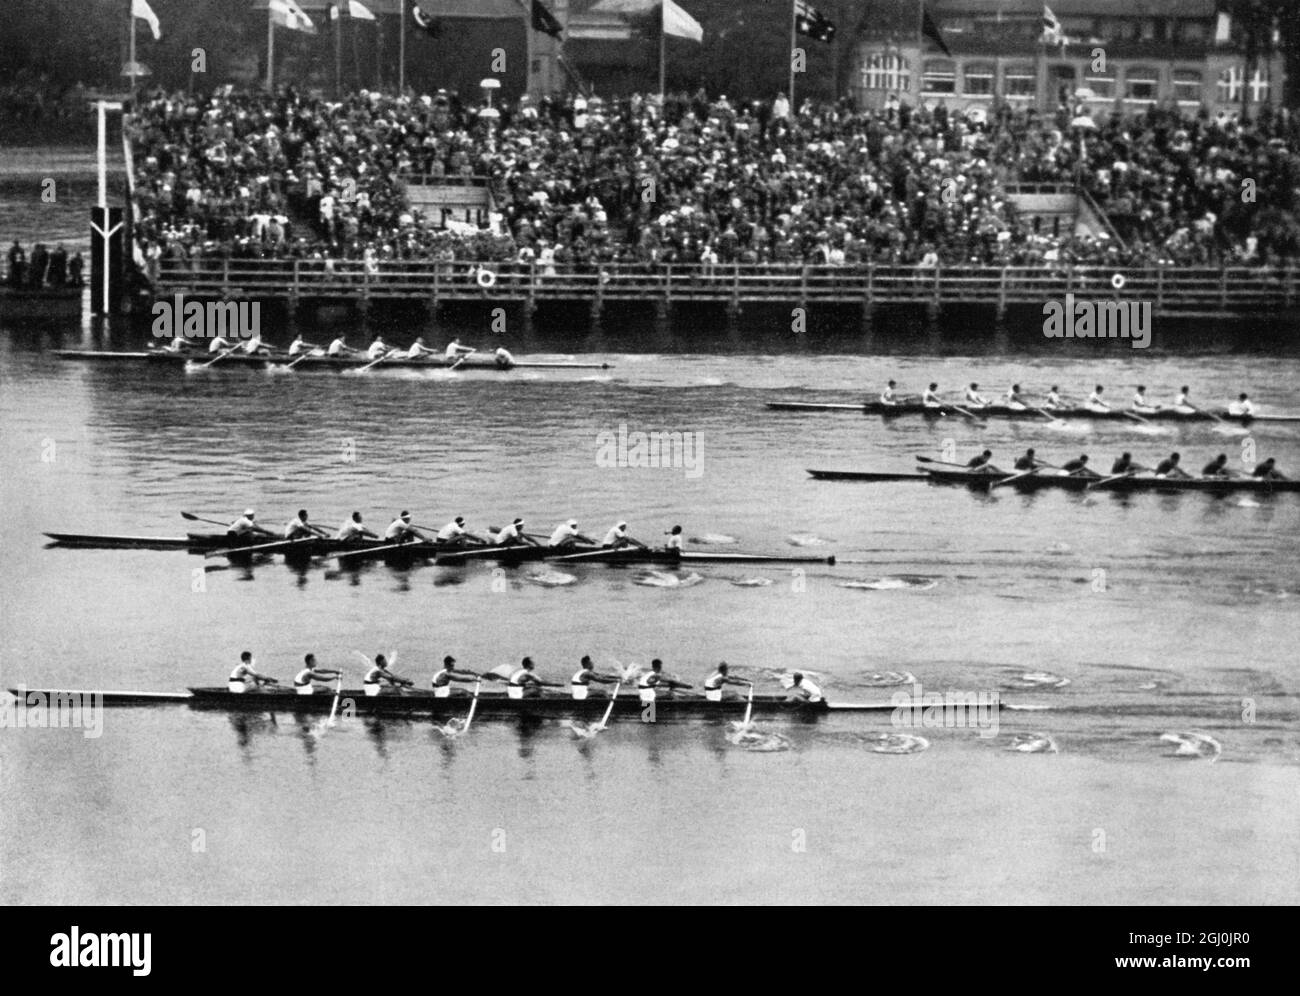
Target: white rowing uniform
{"points": [[645, 686], [615, 536], [1014, 400], [252, 345], [931, 399], [397, 529], [1140, 402], [814, 693], [296, 527], [975, 398], [302, 682], [451, 531], [564, 531], [453, 350], [504, 359], [1096, 404], [243, 526], [674, 542], [337, 348], [442, 684], [1241, 408], [580, 684], [373, 681], [1053, 400], [297, 346], [887, 397], [417, 350], [377, 349], [509, 535], [218, 344], [350, 530], [519, 680], [240, 678], [713, 686]]}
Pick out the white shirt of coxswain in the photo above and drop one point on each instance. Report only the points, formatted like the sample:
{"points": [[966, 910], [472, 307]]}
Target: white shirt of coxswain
{"points": [[615, 535], [337, 347], [377, 349], [675, 541], [450, 532], [562, 532]]}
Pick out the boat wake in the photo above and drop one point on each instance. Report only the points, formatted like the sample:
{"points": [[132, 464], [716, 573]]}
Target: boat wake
{"points": [[1018, 679], [581, 730], [912, 582], [753, 739], [808, 539], [714, 539], [1194, 745], [752, 582], [663, 579], [551, 579], [452, 729], [897, 743], [1033, 743], [886, 679]]}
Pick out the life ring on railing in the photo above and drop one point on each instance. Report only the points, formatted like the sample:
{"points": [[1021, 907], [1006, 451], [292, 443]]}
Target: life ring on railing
{"points": [[486, 279], [1118, 281]]}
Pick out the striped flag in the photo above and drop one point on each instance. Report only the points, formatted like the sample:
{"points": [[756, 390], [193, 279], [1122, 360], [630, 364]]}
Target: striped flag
{"points": [[288, 14], [142, 10], [425, 23], [679, 23], [810, 21], [1052, 32]]}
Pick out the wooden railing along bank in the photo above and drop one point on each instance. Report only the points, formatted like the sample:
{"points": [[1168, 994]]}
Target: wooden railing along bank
{"points": [[1171, 290]]}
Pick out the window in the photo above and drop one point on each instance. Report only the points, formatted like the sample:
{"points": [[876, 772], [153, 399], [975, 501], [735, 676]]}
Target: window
{"points": [[1192, 31], [977, 79], [939, 76], [1021, 81], [1187, 85], [885, 71], [1147, 30], [1102, 85], [1230, 84], [1143, 83]]}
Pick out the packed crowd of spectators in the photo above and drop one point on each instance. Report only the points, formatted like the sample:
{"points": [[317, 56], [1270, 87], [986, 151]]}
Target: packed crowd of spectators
{"points": [[585, 182]]}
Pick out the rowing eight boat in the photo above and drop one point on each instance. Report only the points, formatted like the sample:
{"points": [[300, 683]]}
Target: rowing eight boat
{"points": [[1003, 411], [1034, 481], [309, 362]]}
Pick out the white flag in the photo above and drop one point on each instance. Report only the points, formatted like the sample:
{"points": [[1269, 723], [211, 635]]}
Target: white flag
{"points": [[359, 11], [1223, 28], [678, 22], [142, 10], [288, 14]]}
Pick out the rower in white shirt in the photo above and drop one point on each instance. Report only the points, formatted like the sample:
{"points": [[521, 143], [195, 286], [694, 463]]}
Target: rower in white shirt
{"points": [[304, 681], [453, 534], [400, 529], [1182, 403], [524, 684], [931, 399], [443, 687], [714, 683], [247, 526], [617, 538], [802, 690], [504, 360], [1094, 400], [353, 530], [455, 350], [177, 344], [580, 683], [299, 528], [377, 349], [654, 683], [246, 674], [219, 344], [1014, 398], [513, 535], [299, 346], [379, 675], [419, 350], [887, 396], [1242, 406], [674, 544], [1053, 398], [973, 397], [565, 535], [253, 345], [339, 347], [1140, 403]]}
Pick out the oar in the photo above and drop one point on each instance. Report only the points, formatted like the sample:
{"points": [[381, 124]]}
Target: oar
{"points": [[224, 354], [338, 690], [1202, 411], [945, 463], [262, 547], [604, 722], [191, 517], [1049, 416], [472, 704], [1134, 416], [294, 363], [969, 415], [1025, 473], [370, 551], [1107, 480], [376, 363], [749, 708]]}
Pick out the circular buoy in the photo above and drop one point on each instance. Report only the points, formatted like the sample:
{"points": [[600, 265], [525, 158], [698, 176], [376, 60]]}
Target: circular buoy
{"points": [[486, 279], [1117, 281]]}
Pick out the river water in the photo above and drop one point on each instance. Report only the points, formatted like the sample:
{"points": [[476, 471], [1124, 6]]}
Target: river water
{"points": [[1130, 617]]}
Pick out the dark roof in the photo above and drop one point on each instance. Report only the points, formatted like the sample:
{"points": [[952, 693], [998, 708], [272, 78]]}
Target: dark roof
{"points": [[1075, 8], [489, 9]]}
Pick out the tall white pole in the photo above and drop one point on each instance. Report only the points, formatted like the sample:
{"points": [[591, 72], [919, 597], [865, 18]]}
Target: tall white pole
{"points": [[663, 16], [401, 46], [793, 42], [104, 281], [103, 156], [132, 55], [270, 50]]}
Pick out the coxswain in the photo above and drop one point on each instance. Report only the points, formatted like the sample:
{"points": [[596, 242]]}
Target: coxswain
{"points": [[1053, 399], [400, 529], [246, 526], [1169, 467], [219, 344], [379, 675], [981, 465], [304, 680], [1140, 403], [378, 349], [503, 358], [245, 674], [1094, 400], [299, 528], [973, 397], [513, 535], [1125, 465], [617, 538], [1079, 467], [565, 535], [580, 683], [353, 530], [1027, 462], [887, 396], [713, 684], [930, 399], [1218, 467], [455, 350], [1242, 406], [524, 684], [802, 690], [674, 544], [339, 347], [1014, 399], [651, 682], [1268, 471], [442, 680], [418, 350], [453, 534]]}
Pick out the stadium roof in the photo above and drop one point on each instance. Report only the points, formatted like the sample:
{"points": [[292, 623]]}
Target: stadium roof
{"points": [[1075, 8]]}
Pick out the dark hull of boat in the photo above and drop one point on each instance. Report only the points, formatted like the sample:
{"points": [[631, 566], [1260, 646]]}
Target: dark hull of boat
{"points": [[1003, 412], [1126, 484], [321, 363], [863, 475]]}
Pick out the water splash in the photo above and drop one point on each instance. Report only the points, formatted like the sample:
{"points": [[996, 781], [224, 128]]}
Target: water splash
{"points": [[1194, 745], [1033, 743]]}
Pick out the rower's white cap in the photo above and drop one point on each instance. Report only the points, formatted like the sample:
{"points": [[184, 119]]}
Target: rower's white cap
{"points": [[622, 525], [249, 513]]}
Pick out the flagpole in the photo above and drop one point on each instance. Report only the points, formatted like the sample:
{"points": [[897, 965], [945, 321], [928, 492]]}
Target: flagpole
{"points": [[401, 46], [270, 51], [793, 41], [338, 54], [663, 16], [131, 57]]}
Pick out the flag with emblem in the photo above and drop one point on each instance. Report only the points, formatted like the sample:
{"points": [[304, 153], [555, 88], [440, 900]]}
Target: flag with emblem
{"points": [[810, 21]]}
